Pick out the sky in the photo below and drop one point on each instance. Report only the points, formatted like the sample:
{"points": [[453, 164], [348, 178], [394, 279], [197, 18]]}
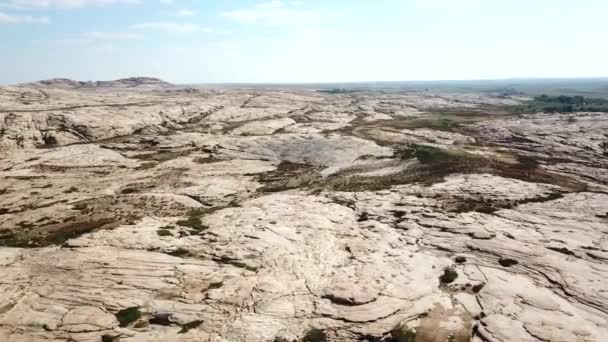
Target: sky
{"points": [[284, 41]]}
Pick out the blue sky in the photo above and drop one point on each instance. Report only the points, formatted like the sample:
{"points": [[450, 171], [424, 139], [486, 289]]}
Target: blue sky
{"points": [[208, 41]]}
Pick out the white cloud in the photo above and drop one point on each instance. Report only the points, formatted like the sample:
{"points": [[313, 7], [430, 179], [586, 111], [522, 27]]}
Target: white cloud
{"points": [[65, 3], [22, 19], [270, 4], [276, 13], [96, 35], [169, 26], [447, 4], [185, 13]]}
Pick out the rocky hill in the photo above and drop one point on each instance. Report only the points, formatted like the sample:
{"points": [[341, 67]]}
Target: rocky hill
{"points": [[131, 82]]}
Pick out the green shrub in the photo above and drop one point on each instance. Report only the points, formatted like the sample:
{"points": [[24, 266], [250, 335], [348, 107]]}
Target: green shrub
{"points": [[527, 163], [403, 334], [315, 335], [193, 222], [128, 316], [448, 276], [562, 104], [164, 232], [425, 154]]}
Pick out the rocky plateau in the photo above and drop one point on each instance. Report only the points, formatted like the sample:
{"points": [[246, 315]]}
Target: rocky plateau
{"points": [[134, 211]]}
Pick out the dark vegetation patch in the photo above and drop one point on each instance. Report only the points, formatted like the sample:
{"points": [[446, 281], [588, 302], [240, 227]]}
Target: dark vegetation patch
{"points": [[527, 163], [315, 335], [164, 232], [8, 238], [127, 191], [507, 262], [194, 223], [337, 91], [426, 154], [26, 177], [441, 120], [288, 176], [436, 163], [136, 188], [460, 259], [160, 156], [562, 250], [363, 217], [110, 338], [128, 316], [49, 139], [457, 204], [471, 204], [190, 325], [146, 166], [80, 206], [561, 104], [448, 276], [180, 252], [433, 165], [402, 334], [207, 160], [438, 123], [53, 233], [163, 319], [70, 190], [72, 230], [478, 287]]}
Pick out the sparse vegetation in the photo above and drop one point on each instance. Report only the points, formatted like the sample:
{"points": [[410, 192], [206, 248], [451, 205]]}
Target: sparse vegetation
{"points": [[562, 104], [403, 334], [315, 335], [49, 140], [188, 326], [426, 154], [448, 276], [194, 223], [164, 232], [146, 166], [604, 147], [71, 190], [129, 191], [527, 163], [80, 206], [336, 91], [180, 252], [460, 259], [128, 316], [507, 262], [476, 288], [109, 338]]}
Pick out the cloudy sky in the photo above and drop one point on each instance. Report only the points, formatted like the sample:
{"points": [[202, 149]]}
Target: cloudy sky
{"points": [[208, 41]]}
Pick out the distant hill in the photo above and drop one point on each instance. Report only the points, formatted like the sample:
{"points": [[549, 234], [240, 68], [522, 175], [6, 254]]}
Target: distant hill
{"points": [[131, 82]]}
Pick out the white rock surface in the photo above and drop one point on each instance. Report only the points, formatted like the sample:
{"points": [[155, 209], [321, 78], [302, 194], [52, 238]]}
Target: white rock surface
{"points": [[179, 214]]}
